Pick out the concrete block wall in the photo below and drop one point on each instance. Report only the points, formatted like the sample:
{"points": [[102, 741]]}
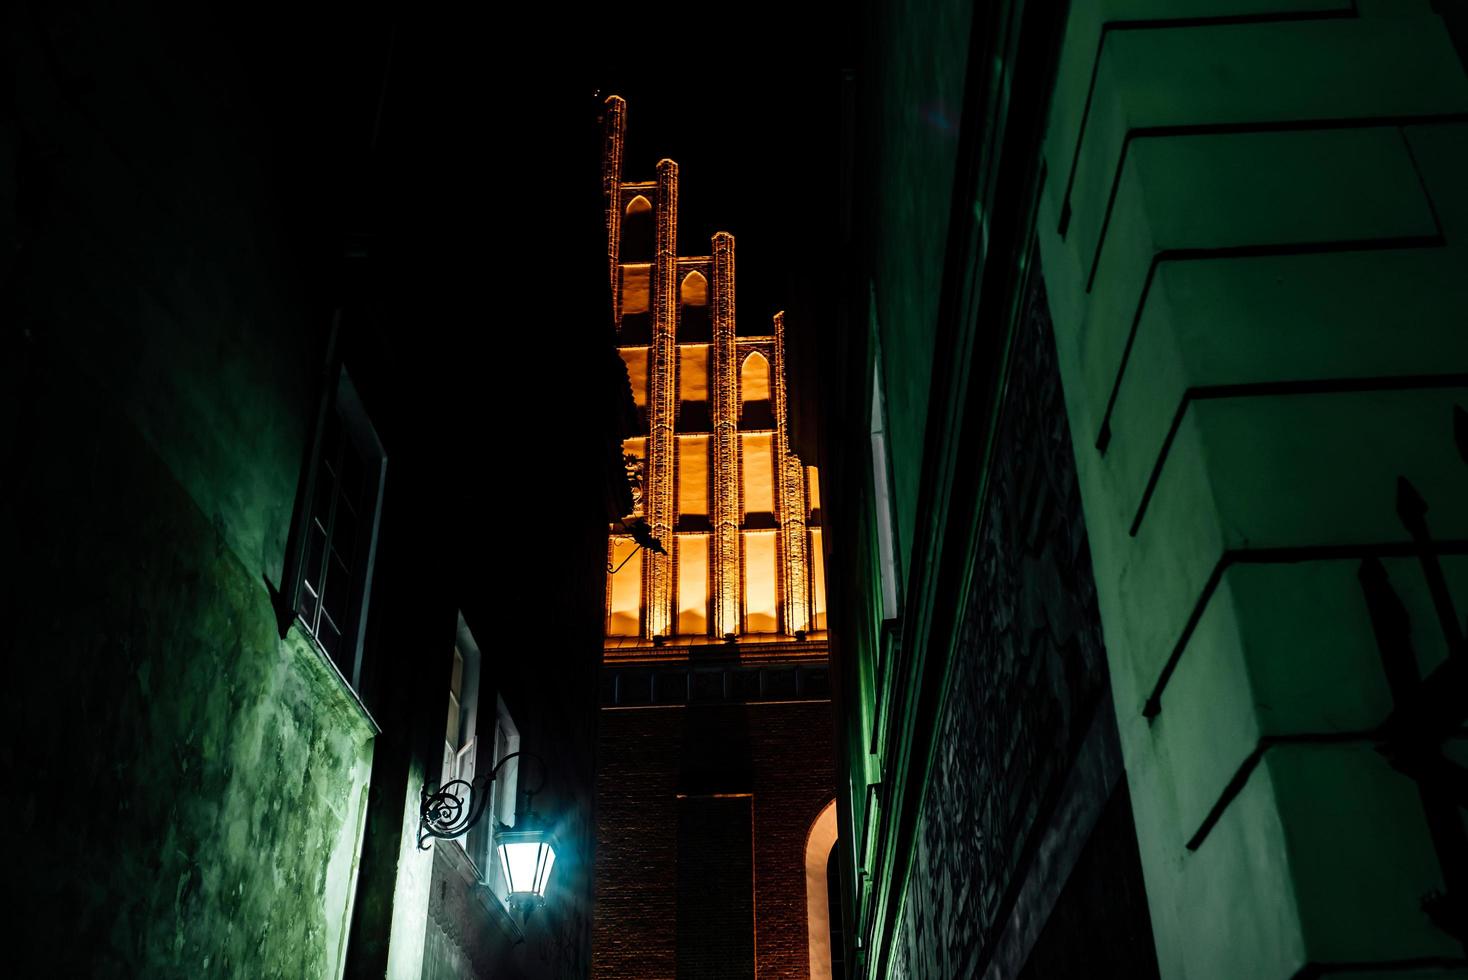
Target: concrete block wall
{"points": [[1254, 233]]}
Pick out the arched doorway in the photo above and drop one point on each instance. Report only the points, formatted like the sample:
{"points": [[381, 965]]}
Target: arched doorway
{"points": [[819, 844]]}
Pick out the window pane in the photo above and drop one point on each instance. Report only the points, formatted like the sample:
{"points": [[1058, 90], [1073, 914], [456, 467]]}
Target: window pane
{"points": [[353, 474], [344, 533], [306, 606], [759, 473], [331, 438], [694, 290], [328, 636], [693, 475], [337, 526], [693, 590], [693, 372], [760, 615], [325, 490], [636, 283], [315, 552], [818, 580], [754, 378], [451, 730], [625, 615], [335, 591], [504, 744]]}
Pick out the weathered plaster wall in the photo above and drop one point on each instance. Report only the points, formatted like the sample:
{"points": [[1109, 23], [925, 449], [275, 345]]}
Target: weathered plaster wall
{"points": [[194, 785], [198, 786]]}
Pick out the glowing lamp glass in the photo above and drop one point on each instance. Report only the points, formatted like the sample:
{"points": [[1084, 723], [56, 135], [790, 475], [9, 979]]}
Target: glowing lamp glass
{"points": [[527, 858]]}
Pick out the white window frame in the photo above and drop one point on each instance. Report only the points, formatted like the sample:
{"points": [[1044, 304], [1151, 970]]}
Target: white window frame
{"points": [[882, 491], [458, 762], [343, 400], [504, 796], [474, 755]]}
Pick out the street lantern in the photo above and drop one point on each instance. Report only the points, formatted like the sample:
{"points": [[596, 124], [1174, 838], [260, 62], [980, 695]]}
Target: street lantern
{"points": [[526, 856]]}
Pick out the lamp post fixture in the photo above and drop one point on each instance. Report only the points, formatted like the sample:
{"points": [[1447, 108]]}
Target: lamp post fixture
{"points": [[526, 855]]}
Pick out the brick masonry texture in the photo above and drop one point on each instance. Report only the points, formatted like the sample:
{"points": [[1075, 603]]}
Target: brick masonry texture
{"points": [[1030, 674], [780, 754]]}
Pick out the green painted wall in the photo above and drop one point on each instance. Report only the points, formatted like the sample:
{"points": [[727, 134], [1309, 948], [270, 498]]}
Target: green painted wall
{"points": [[913, 143], [196, 785], [1237, 308], [1252, 224], [188, 789]]}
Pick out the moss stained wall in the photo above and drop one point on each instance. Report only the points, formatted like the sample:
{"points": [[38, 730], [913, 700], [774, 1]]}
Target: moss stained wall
{"points": [[199, 783], [195, 785]]}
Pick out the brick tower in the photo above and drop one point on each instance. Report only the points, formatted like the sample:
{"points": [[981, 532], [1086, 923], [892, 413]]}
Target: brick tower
{"points": [[715, 748]]}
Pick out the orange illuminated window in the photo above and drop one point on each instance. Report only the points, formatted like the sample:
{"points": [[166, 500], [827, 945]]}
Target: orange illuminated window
{"points": [[693, 475], [693, 311], [754, 379], [636, 287], [693, 583], [624, 616], [757, 451], [636, 358], [638, 231], [694, 290], [693, 388], [760, 613], [754, 393], [693, 372]]}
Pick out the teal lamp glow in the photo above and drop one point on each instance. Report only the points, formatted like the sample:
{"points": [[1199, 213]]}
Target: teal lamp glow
{"points": [[527, 857]]}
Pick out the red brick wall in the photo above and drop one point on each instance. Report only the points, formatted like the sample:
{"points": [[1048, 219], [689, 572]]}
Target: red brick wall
{"points": [[781, 754], [715, 913]]}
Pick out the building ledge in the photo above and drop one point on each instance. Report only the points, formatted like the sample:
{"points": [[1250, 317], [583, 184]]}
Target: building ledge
{"points": [[746, 648], [693, 683], [333, 693], [456, 867]]}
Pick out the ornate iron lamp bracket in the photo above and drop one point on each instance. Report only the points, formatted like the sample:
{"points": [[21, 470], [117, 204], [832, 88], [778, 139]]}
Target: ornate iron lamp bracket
{"points": [[444, 813]]}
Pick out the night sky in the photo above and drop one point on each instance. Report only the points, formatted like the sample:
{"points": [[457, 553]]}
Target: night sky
{"points": [[750, 109], [484, 176]]}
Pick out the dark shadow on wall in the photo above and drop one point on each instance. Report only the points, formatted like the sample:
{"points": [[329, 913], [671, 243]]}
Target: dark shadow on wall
{"points": [[715, 888], [1100, 929]]}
